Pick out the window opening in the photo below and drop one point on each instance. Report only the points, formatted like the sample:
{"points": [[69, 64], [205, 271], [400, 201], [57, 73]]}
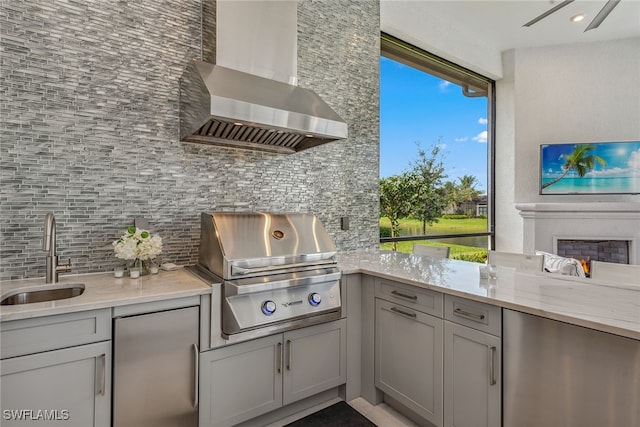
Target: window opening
{"points": [[465, 225]]}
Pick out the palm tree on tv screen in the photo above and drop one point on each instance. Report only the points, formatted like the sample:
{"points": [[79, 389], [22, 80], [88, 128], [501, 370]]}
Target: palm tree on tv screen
{"points": [[580, 160]]}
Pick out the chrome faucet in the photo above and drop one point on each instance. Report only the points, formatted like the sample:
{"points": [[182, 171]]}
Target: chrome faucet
{"points": [[49, 244]]}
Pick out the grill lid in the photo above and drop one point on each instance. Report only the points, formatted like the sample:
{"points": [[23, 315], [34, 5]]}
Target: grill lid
{"points": [[252, 244]]}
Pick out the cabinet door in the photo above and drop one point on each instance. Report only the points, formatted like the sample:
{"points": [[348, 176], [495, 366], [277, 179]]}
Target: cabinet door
{"points": [[472, 377], [408, 358], [69, 387], [241, 381], [314, 360]]}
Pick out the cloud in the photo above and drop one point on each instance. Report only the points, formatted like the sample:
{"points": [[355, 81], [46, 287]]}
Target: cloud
{"points": [[634, 160], [481, 137], [632, 169], [482, 121], [463, 139], [608, 172], [444, 85]]}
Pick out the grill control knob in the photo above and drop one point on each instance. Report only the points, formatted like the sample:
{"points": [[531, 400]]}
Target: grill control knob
{"points": [[315, 299], [268, 307]]}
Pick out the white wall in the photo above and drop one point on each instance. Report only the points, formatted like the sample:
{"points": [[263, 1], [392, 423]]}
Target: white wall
{"points": [[568, 93], [416, 23], [573, 93], [508, 225]]}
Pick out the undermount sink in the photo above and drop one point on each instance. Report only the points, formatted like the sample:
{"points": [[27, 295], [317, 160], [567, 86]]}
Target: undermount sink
{"points": [[43, 293]]}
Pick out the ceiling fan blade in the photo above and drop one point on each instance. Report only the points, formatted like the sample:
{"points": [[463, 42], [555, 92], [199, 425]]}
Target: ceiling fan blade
{"points": [[604, 12], [549, 12]]}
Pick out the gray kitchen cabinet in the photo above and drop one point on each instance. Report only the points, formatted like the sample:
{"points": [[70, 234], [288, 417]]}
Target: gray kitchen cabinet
{"points": [[472, 364], [437, 355], [57, 368], [471, 377], [70, 385], [314, 360], [408, 358], [242, 381], [38, 334]]}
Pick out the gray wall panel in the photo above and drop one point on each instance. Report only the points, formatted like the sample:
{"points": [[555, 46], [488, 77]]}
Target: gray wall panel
{"points": [[89, 128]]}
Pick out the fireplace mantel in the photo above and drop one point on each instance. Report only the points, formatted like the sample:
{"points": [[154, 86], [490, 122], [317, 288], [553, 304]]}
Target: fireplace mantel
{"points": [[545, 223]]}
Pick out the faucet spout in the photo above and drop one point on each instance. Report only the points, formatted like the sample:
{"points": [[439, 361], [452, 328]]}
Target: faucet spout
{"points": [[49, 240], [52, 269]]}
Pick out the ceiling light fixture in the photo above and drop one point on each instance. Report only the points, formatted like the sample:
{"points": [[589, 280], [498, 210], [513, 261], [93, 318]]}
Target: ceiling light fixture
{"points": [[577, 18]]}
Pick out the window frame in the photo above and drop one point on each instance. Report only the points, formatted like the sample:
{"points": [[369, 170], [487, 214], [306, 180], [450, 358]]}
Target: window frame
{"points": [[473, 84]]}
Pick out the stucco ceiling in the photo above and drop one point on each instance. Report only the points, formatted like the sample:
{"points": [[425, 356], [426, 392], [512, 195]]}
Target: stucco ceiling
{"points": [[499, 24]]}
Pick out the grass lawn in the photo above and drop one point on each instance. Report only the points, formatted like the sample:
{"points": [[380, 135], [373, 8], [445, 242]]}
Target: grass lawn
{"points": [[444, 226]]}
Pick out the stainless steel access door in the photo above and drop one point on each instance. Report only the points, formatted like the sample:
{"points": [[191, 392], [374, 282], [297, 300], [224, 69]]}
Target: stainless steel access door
{"points": [[561, 375], [155, 369]]}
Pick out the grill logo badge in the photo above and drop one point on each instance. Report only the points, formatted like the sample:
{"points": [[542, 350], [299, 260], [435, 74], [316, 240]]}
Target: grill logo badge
{"points": [[287, 304]]}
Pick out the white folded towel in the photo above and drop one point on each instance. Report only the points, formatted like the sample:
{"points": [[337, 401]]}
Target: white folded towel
{"points": [[558, 264]]}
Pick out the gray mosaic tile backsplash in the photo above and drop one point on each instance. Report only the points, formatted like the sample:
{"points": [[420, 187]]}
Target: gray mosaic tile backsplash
{"points": [[89, 121]]}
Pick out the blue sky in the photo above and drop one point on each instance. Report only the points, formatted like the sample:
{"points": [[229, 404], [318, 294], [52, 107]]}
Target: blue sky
{"points": [[622, 159], [418, 107]]}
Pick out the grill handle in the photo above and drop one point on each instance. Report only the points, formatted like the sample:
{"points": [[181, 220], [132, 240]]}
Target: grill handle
{"points": [[245, 271], [286, 283]]}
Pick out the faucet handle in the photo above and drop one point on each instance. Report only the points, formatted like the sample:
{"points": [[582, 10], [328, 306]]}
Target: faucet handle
{"points": [[65, 268]]}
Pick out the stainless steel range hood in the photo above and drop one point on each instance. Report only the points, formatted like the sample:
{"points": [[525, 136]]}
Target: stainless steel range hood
{"points": [[247, 98]]}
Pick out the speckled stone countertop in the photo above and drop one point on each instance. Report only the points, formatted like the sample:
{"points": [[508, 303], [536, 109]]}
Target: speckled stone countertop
{"points": [[102, 290], [607, 307]]}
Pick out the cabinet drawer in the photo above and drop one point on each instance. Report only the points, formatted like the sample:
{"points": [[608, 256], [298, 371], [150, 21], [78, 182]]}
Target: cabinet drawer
{"points": [[474, 314], [27, 336], [421, 299]]}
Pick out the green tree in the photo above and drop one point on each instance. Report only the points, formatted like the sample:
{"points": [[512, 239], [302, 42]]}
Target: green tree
{"points": [[450, 191], [429, 199], [579, 160], [466, 190], [396, 193]]}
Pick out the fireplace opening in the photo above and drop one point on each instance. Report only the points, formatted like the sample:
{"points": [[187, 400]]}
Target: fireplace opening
{"points": [[585, 251]]}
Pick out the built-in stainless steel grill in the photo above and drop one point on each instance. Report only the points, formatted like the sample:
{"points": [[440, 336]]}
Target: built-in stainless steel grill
{"points": [[278, 270]]}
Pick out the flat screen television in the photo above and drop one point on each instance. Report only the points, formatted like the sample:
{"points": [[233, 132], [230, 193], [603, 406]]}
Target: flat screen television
{"points": [[590, 168]]}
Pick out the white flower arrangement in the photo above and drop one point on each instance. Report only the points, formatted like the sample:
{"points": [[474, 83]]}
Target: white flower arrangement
{"points": [[137, 244]]}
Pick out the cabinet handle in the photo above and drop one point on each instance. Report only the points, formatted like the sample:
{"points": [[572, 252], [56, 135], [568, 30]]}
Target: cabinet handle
{"points": [[401, 295], [473, 316], [196, 374], [405, 313], [288, 355], [279, 356], [492, 364], [101, 367]]}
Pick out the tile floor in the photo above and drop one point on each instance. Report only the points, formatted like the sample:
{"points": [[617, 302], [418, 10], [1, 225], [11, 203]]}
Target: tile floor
{"points": [[381, 415]]}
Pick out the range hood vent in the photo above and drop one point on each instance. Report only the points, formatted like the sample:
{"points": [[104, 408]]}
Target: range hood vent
{"points": [[254, 106]]}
